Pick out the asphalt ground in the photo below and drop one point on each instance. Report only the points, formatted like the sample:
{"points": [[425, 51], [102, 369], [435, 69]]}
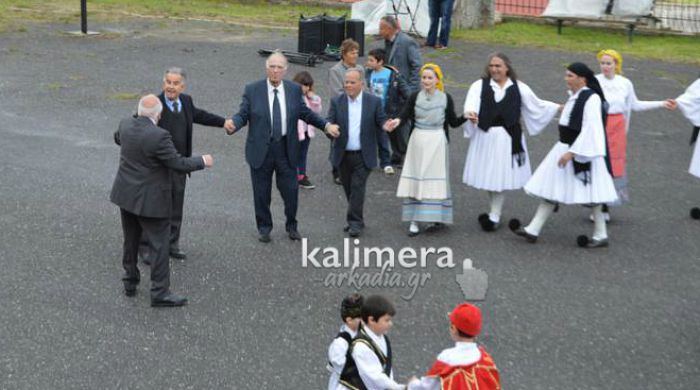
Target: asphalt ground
{"points": [[556, 316]]}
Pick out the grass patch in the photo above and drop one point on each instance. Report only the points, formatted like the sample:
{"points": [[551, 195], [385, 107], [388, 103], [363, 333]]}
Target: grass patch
{"points": [[260, 12], [125, 96], [245, 11], [579, 39], [55, 87]]}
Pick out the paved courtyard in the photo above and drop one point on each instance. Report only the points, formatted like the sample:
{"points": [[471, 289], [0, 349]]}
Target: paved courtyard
{"points": [[556, 316]]}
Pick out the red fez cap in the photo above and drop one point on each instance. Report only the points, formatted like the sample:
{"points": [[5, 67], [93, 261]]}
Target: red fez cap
{"points": [[467, 319]]}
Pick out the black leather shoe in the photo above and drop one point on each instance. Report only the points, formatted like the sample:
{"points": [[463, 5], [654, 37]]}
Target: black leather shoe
{"points": [[516, 227], [264, 237], [177, 253], [346, 228], [585, 242], [169, 300], [354, 232], [129, 291], [487, 224], [294, 235]]}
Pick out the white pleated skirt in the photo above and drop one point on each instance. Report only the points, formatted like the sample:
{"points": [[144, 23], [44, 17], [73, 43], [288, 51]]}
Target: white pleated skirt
{"points": [[561, 185], [490, 165], [695, 161]]}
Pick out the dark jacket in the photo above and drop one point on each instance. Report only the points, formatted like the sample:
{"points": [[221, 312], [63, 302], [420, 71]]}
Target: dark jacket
{"points": [[255, 111], [373, 119], [399, 91], [147, 154], [451, 120], [192, 115]]}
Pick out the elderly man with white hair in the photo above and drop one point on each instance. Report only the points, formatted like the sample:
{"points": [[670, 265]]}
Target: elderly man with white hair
{"points": [[142, 190], [271, 107]]}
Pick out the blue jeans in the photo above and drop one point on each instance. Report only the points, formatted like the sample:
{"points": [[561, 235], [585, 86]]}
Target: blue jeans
{"points": [[439, 9]]}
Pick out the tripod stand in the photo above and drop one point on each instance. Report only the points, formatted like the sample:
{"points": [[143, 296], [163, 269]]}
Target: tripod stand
{"points": [[401, 7]]}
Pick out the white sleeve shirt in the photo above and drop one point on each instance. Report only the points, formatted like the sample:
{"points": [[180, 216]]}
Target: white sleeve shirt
{"points": [[283, 104], [354, 121], [370, 367]]}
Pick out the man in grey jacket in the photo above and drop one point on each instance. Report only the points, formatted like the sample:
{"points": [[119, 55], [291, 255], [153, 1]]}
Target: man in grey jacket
{"points": [[402, 51], [142, 190]]}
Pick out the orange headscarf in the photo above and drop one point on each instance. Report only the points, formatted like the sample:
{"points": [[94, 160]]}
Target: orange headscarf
{"points": [[438, 71], [615, 55]]}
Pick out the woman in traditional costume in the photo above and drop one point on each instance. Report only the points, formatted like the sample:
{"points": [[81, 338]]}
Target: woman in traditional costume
{"points": [[689, 104], [497, 160], [424, 182], [622, 100], [575, 170]]}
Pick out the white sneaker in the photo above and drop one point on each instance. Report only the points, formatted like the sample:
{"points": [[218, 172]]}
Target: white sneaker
{"points": [[388, 170]]}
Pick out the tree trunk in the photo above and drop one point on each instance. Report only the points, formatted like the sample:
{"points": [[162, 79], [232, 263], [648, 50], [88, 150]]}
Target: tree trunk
{"points": [[474, 13]]}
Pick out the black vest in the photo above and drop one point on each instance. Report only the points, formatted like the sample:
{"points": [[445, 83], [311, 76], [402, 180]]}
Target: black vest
{"points": [[505, 113], [350, 376], [569, 134], [694, 137], [176, 124]]}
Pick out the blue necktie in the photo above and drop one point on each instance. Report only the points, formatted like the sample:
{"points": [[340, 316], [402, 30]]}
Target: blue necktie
{"points": [[175, 108], [276, 118]]}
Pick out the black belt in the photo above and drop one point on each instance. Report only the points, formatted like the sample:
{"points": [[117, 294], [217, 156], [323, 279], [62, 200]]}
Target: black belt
{"points": [[353, 152], [283, 139]]}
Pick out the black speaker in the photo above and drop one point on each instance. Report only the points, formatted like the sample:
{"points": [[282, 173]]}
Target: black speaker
{"points": [[333, 30], [355, 29], [311, 35]]}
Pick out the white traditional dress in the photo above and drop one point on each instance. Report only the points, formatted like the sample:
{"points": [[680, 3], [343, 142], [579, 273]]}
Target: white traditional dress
{"points": [[490, 164], [622, 100], [689, 104], [424, 182], [561, 185]]}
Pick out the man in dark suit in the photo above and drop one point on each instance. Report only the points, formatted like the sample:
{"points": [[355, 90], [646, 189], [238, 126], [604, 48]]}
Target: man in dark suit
{"points": [[272, 108], [142, 190], [401, 50], [361, 118], [179, 113]]}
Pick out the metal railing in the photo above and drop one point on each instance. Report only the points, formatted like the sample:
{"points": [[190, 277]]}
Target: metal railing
{"points": [[675, 15]]}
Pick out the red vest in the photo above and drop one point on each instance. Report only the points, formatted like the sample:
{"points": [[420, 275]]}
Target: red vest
{"points": [[482, 375]]}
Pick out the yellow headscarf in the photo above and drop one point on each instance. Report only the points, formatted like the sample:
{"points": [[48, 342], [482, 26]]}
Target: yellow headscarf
{"points": [[615, 55], [438, 71]]}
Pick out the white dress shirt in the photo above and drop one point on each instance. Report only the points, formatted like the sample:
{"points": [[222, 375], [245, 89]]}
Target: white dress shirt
{"points": [[283, 104], [370, 367], [337, 352], [354, 121], [590, 142]]}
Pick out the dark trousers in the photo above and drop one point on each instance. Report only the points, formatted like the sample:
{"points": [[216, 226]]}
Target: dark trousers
{"points": [[275, 161], [179, 181], [179, 184], [157, 233], [353, 175], [399, 143], [384, 150], [303, 153], [439, 9]]}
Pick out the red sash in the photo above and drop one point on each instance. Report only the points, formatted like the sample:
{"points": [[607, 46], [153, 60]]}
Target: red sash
{"points": [[617, 143], [482, 375]]}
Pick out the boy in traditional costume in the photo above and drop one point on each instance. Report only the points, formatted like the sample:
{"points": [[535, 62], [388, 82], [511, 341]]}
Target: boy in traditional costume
{"points": [[351, 314], [466, 366], [369, 361]]}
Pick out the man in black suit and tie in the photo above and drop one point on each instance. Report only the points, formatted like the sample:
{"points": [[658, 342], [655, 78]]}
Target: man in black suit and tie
{"points": [[179, 113], [361, 119], [272, 107], [142, 189]]}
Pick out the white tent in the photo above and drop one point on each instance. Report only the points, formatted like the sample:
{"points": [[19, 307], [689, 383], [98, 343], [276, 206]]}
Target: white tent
{"points": [[372, 10]]}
